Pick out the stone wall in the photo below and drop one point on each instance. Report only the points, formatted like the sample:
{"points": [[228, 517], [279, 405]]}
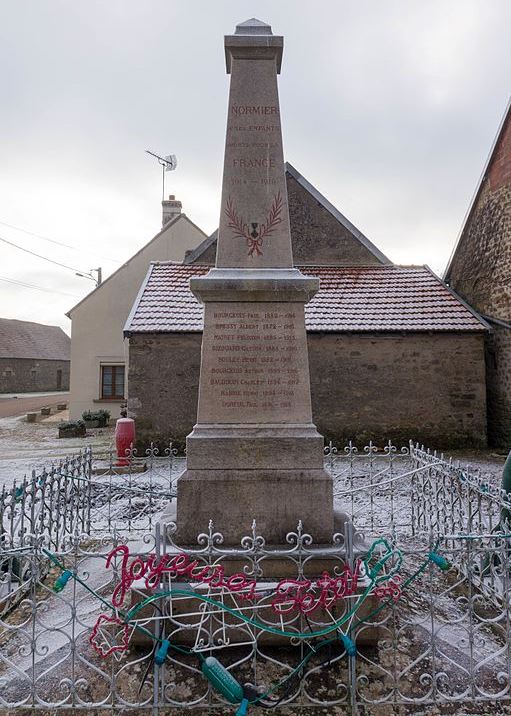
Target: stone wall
{"points": [[317, 237], [425, 387], [418, 386], [163, 384], [498, 382], [481, 269], [27, 375], [480, 272]]}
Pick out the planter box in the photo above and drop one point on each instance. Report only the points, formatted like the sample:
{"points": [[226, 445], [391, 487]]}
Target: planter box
{"points": [[31, 417], [91, 424], [62, 406], [78, 432], [45, 411]]}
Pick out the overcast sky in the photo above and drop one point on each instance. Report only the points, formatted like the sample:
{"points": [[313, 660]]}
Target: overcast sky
{"points": [[389, 109]]}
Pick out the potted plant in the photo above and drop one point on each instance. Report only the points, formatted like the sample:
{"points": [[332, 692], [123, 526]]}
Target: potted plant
{"points": [[103, 416], [90, 419], [72, 429]]}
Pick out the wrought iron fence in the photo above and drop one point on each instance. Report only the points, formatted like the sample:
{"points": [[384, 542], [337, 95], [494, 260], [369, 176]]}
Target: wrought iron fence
{"points": [[90, 489], [87, 494], [90, 637], [451, 497], [54, 502], [129, 498], [458, 503], [373, 484], [415, 613]]}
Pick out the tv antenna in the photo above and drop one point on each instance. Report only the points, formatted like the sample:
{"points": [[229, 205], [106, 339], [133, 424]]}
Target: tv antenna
{"points": [[168, 164]]}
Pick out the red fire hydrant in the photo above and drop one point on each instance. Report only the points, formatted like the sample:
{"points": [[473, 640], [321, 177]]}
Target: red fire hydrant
{"points": [[124, 439]]}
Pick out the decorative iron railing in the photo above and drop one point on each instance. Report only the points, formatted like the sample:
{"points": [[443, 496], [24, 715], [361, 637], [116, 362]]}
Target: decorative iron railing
{"points": [[95, 639], [54, 502], [414, 612]]}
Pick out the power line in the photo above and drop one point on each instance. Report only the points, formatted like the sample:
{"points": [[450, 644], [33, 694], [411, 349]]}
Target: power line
{"points": [[39, 288], [59, 243], [22, 248]]}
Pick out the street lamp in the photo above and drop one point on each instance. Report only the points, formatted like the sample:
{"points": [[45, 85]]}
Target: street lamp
{"points": [[97, 279]]}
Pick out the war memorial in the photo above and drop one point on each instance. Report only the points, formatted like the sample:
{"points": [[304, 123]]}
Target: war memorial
{"points": [[254, 453], [266, 569]]}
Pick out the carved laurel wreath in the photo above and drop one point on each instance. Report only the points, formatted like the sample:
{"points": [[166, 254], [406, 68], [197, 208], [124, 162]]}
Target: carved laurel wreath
{"points": [[240, 227]]}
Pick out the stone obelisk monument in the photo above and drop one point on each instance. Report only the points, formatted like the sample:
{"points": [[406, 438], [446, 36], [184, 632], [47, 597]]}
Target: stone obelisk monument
{"points": [[254, 452]]}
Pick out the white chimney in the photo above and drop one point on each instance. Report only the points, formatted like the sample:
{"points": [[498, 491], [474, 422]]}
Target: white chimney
{"points": [[170, 209]]}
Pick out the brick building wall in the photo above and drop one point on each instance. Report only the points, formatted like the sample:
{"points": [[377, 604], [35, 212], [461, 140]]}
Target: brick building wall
{"points": [[27, 375], [425, 387], [480, 272]]}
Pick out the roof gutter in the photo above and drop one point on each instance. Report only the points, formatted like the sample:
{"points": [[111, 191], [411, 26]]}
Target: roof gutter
{"points": [[497, 321]]}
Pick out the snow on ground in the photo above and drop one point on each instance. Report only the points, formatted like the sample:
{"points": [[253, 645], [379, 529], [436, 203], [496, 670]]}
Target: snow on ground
{"points": [[487, 463], [29, 446], [458, 645]]}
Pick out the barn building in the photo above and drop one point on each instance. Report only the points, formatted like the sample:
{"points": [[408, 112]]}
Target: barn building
{"points": [[33, 357], [393, 352]]}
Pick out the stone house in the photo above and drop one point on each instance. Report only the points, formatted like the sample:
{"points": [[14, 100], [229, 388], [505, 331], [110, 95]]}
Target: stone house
{"points": [[33, 357], [480, 271], [98, 356], [393, 352]]}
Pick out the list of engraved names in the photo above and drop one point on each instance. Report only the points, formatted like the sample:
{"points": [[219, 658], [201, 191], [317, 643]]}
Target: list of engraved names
{"points": [[255, 358]]}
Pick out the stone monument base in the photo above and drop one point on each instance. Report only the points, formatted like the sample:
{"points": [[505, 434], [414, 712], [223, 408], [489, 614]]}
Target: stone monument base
{"points": [[275, 499], [277, 565], [272, 474]]}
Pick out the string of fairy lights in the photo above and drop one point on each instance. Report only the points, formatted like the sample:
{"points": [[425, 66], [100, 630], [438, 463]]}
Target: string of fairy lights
{"points": [[381, 564]]}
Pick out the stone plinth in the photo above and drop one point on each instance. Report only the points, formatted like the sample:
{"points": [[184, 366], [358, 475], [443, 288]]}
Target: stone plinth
{"points": [[254, 452]]}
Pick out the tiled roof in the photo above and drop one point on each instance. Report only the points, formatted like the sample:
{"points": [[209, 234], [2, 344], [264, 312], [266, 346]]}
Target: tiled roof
{"points": [[365, 298], [24, 339]]}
